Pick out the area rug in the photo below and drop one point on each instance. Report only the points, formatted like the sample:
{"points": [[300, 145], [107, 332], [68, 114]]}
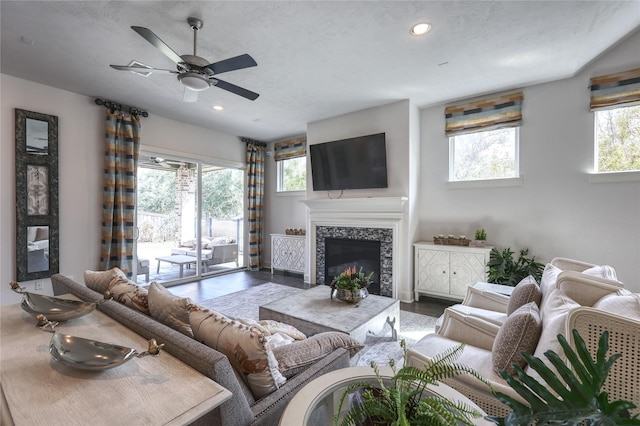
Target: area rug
{"points": [[379, 348]]}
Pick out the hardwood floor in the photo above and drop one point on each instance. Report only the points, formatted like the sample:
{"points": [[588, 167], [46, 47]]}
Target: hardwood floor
{"points": [[220, 285]]}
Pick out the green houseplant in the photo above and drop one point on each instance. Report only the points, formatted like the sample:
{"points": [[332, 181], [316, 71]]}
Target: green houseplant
{"points": [[572, 396], [351, 286], [505, 270], [404, 399], [481, 237]]}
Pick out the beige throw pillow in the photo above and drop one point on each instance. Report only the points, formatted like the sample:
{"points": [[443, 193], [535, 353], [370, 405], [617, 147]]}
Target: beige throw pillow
{"points": [[621, 303], [99, 280], [129, 294], [519, 333], [525, 292], [297, 356], [169, 309], [245, 347]]}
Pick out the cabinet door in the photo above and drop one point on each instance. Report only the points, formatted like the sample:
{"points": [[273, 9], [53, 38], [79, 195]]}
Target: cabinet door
{"points": [[296, 249], [466, 269], [433, 271], [278, 252]]}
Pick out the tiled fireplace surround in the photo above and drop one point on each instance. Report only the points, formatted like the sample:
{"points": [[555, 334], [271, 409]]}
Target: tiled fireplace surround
{"points": [[372, 219]]}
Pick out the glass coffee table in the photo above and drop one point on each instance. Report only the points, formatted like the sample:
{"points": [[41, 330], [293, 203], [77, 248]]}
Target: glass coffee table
{"points": [[316, 403]]}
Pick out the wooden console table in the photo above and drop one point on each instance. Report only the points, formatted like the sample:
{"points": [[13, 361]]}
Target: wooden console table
{"points": [[37, 390]]}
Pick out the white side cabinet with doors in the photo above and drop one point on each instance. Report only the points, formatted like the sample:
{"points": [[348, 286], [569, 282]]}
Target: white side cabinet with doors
{"points": [[287, 252], [446, 271]]}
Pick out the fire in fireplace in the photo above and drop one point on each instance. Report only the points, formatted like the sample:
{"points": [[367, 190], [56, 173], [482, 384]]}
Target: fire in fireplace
{"points": [[341, 253]]}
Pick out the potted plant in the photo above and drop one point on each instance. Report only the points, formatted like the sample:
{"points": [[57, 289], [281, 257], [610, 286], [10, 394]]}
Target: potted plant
{"points": [[404, 399], [481, 237], [505, 270], [571, 396], [351, 286]]}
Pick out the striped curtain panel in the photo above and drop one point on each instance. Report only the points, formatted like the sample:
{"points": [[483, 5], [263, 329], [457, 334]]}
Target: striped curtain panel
{"points": [[485, 114], [615, 90], [255, 193], [292, 148], [118, 206]]}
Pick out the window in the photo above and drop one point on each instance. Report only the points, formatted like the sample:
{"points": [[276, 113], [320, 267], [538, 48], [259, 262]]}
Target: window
{"points": [[484, 138], [291, 163], [292, 174], [617, 139], [491, 154]]}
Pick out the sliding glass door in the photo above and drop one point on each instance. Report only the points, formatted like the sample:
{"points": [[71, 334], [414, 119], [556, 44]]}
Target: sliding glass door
{"points": [[189, 219]]}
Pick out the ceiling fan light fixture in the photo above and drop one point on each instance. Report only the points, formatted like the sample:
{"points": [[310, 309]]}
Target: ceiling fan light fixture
{"points": [[194, 81], [420, 28]]}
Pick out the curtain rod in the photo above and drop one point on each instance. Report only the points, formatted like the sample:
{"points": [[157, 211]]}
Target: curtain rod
{"points": [[253, 142], [116, 106]]}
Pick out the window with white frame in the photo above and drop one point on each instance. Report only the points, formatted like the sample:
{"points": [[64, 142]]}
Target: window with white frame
{"points": [[484, 138], [615, 101], [492, 154], [292, 174], [291, 165]]}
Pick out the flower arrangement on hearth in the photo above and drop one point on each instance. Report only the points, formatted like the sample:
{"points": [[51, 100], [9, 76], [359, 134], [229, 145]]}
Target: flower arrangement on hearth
{"points": [[352, 280]]}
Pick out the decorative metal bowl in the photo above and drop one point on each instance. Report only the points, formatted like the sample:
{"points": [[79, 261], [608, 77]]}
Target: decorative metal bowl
{"points": [[53, 308], [92, 355]]}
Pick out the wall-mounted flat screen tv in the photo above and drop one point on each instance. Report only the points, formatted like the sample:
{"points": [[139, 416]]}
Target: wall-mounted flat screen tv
{"points": [[354, 163]]}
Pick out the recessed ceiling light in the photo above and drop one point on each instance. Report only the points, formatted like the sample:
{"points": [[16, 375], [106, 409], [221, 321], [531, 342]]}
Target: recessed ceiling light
{"points": [[420, 29], [218, 107]]}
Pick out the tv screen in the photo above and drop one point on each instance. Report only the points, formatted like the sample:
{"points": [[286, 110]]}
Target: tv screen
{"points": [[355, 163]]}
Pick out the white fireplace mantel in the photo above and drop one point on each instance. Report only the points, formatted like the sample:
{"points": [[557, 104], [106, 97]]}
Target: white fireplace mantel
{"points": [[380, 205], [375, 212]]}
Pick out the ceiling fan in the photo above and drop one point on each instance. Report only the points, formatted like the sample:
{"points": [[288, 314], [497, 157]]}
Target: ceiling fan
{"points": [[194, 72]]}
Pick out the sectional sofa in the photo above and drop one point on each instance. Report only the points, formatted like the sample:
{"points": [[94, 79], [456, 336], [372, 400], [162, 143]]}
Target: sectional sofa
{"points": [[243, 408]]}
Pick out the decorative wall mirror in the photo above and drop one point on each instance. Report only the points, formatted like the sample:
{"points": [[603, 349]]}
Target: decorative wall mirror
{"points": [[37, 236]]}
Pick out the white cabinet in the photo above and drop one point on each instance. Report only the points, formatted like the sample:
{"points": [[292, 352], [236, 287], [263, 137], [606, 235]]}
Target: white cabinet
{"points": [[287, 252], [447, 271]]}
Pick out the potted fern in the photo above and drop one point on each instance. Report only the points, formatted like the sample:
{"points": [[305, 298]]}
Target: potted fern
{"points": [[571, 396], [404, 399]]}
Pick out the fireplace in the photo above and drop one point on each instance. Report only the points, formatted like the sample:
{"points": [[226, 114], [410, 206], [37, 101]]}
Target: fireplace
{"points": [[343, 253], [381, 238], [379, 219]]}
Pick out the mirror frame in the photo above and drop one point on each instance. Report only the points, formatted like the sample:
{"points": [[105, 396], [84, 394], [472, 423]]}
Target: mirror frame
{"points": [[23, 219]]}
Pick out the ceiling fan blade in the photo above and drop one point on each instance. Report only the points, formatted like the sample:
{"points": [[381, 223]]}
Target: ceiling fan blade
{"points": [[148, 35], [189, 95], [237, 90], [142, 69], [231, 64]]}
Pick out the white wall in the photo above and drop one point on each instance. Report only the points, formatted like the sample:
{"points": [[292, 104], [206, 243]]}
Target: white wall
{"points": [[284, 210], [81, 140], [557, 211]]}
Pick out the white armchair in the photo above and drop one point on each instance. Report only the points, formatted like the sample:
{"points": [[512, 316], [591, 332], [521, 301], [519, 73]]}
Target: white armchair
{"points": [[529, 328]]}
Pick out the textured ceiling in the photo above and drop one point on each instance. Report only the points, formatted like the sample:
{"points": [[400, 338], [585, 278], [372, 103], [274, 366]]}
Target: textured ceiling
{"points": [[315, 59]]}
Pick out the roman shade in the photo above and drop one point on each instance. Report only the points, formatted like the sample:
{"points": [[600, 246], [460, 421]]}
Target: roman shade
{"points": [[492, 113], [292, 148], [615, 90]]}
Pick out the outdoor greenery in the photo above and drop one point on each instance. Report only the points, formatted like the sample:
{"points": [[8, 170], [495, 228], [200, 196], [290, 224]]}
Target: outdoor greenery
{"points": [[222, 193], [571, 396], [484, 155], [292, 174], [156, 191], [404, 399], [618, 138], [222, 199], [505, 270]]}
